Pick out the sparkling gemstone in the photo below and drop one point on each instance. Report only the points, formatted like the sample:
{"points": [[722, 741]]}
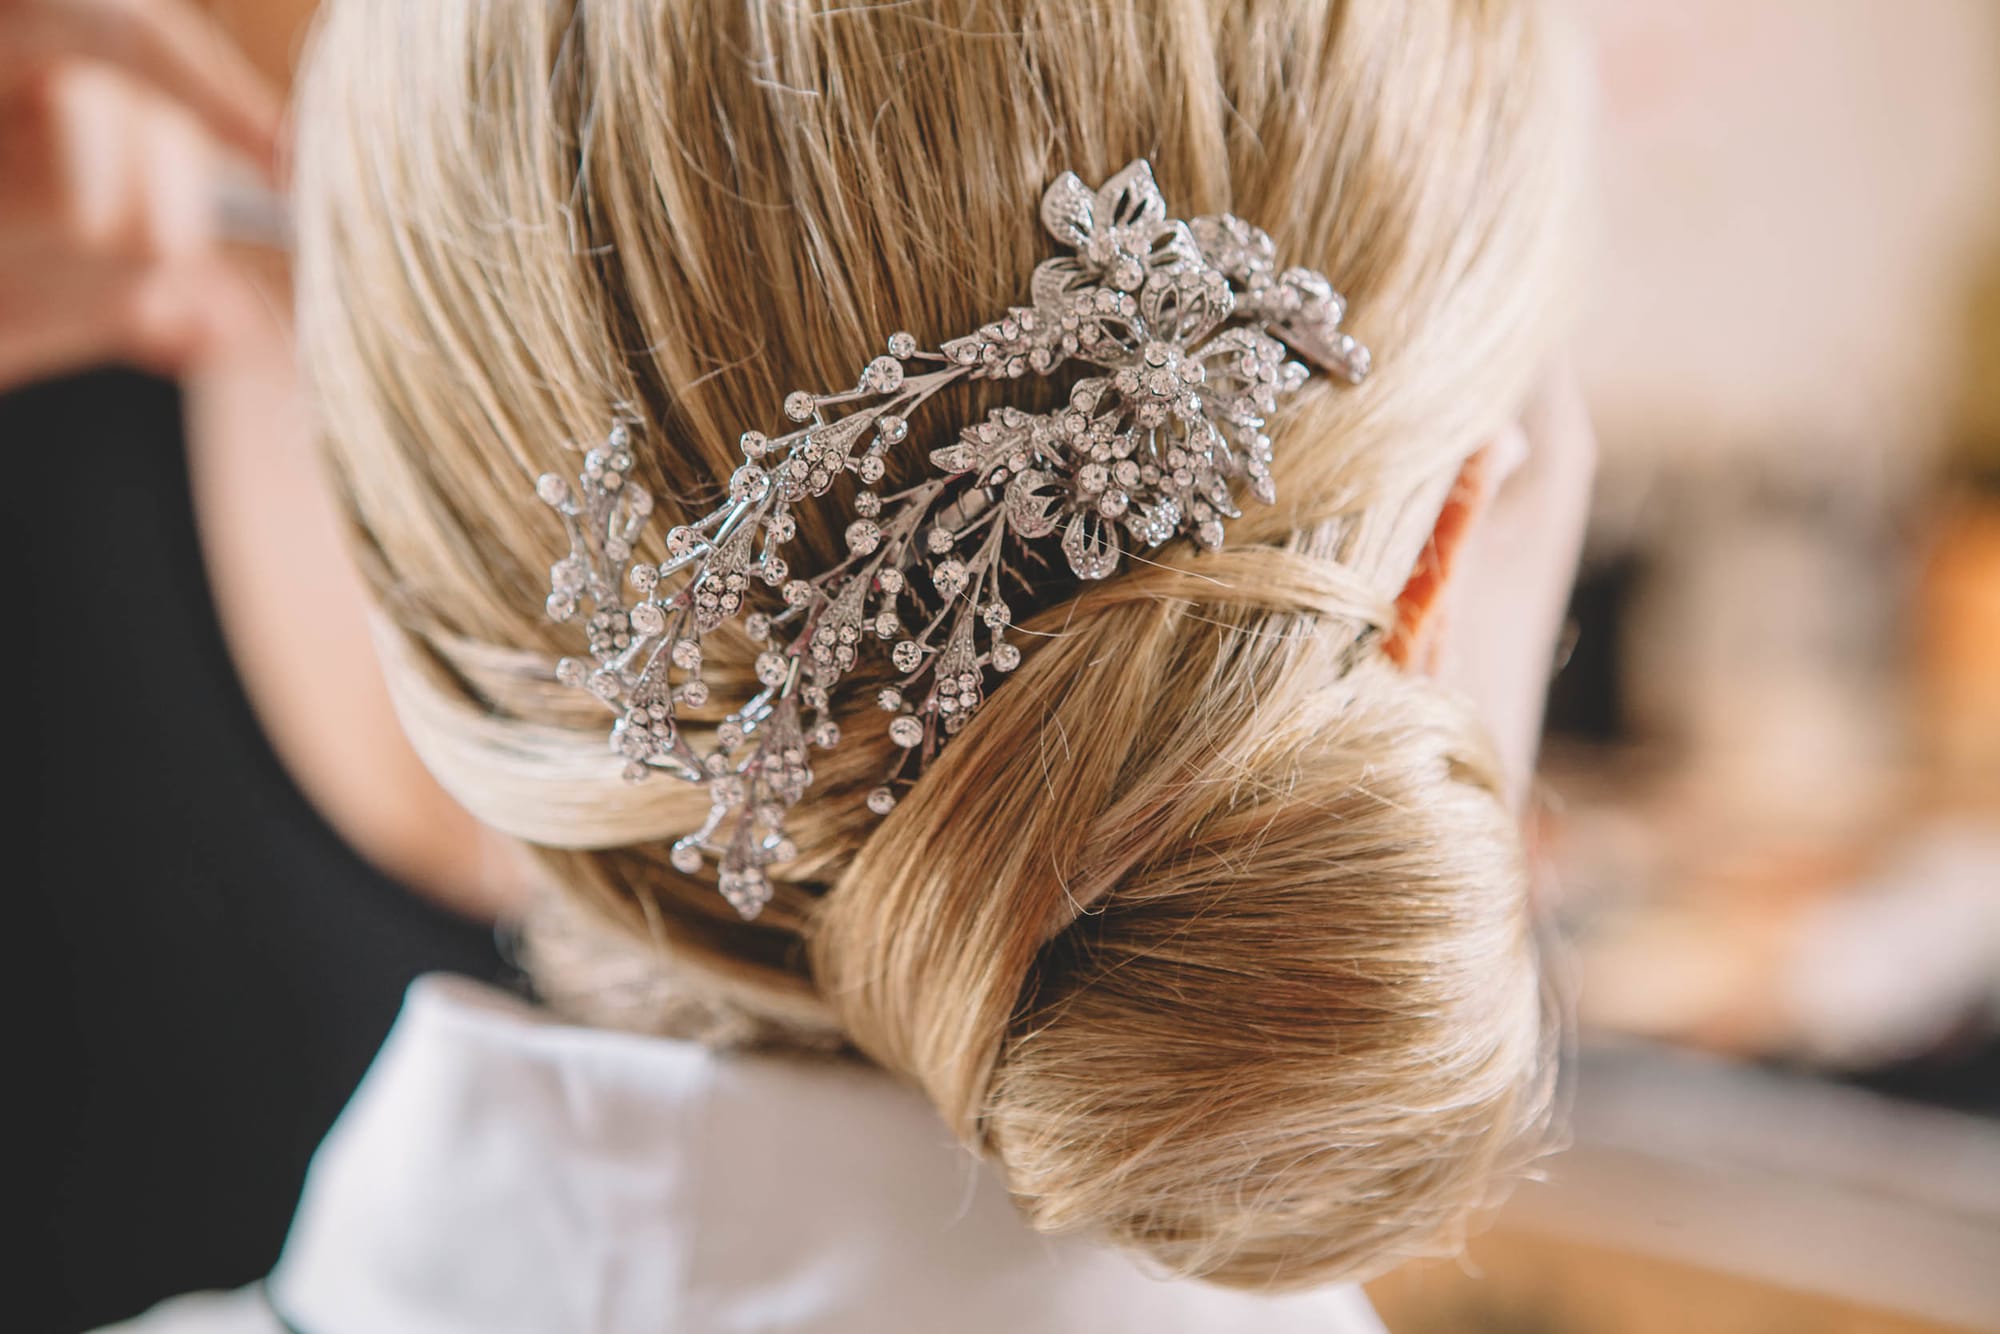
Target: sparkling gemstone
{"points": [[749, 482], [826, 734], [781, 527], [775, 569], [1006, 657], [798, 593], [883, 376], [645, 578], [572, 673], [889, 581], [906, 731], [881, 801], [799, 405], [892, 428], [728, 736], [949, 577], [755, 444], [682, 541], [870, 469], [552, 489], [863, 536], [1093, 477], [746, 889], [908, 655], [757, 625], [687, 654], [939, 540], [889, 698], [867, 504], [648, 619], [686, 857], [902, 344], [1113, 503], [560, 606], [887, 626], [694, 693], [772, 667], [996, 614]]}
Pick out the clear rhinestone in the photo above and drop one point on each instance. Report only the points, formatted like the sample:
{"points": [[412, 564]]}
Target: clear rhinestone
{"points": [[552, 489], [799, 405], [757, 625], [572, 673], [887, 626], [939, 540], [996, 614], [798, 593], [560, 606], [772, 667], [695, 693], [908, 655], [686, 857], [881, 801], [755, 444], [1006, 657], [749, 483], [902, 344], [863, 536], [644, 578], [648, 619], [889, 581], [949, 577], [906, 731], [892, 428], [867, 504], [687, 654], [889, 698], [826, 734], [883, 376]]}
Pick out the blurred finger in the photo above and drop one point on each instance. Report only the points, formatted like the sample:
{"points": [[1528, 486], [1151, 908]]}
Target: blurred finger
{"points": [[165, 44], [166, 319], [101, 166]]}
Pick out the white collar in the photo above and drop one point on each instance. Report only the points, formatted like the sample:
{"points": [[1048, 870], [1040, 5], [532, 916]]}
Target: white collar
{"points": [[500, 1172]]}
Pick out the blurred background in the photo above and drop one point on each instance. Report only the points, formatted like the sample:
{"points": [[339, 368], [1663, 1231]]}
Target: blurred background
{"points": [[1772, 805], [1771, 809]]}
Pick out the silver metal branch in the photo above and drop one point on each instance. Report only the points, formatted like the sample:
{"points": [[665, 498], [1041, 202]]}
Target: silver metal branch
{"points": [[1181, 330]]}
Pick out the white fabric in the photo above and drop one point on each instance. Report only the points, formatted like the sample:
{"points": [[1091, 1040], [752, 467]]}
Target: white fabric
{"points": [[500, 1173]]}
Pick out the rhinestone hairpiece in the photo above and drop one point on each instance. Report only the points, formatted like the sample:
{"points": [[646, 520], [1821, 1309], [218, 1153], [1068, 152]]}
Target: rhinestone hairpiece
{"points": [[1182, 328]]}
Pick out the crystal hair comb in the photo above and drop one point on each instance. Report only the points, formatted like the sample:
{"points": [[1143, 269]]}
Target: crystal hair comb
{"points": [[1181, 329]]}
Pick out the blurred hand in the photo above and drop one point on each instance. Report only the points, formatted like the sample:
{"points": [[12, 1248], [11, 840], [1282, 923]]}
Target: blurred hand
{"points": [[116, 117]]}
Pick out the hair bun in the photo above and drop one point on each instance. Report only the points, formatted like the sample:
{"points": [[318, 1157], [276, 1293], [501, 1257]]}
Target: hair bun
{"points": [[1298, 1025]]}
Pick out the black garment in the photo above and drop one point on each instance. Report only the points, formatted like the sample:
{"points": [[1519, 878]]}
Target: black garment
{"points": [[208, 968]]}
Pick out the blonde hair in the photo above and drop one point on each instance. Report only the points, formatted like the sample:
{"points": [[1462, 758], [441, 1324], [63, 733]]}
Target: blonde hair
{"points": [[1211, 929]]}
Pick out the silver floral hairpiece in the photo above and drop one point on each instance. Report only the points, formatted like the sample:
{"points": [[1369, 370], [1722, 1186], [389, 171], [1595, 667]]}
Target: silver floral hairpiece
{"points": [[1185, 327]]}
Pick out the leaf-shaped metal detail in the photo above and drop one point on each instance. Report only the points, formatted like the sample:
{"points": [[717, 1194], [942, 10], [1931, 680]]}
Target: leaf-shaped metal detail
{"points": [[1131, 199], [1091, 545], [1034, 503], [1066, 209]]}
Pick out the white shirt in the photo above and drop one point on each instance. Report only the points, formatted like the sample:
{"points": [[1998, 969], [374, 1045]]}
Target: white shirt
{"points": [[501, 1173]]}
